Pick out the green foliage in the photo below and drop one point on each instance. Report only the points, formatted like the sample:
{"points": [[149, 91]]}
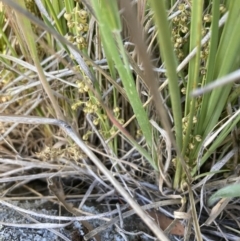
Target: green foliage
{"points": [[110, 27], [230, 191], [200, 124]]}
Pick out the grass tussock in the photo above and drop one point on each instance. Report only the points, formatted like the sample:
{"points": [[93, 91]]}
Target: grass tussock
{"points": [[139, 97]]}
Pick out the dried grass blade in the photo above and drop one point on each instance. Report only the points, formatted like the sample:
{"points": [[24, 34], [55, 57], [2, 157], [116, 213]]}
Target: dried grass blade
{"points": [[194, 215]]}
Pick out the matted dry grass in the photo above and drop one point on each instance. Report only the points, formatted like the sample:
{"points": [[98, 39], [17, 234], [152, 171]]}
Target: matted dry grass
{"points": [[44, 158]]}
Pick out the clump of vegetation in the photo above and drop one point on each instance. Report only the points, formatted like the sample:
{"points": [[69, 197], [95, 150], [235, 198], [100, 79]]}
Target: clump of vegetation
{"points": [[91, 65]]}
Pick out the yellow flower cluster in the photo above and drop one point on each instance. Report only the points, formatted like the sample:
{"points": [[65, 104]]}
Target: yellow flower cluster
{"points": [[77, 22]]}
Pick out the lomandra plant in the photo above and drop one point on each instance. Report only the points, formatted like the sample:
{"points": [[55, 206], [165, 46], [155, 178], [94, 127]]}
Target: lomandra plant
{"points": [[201, 127], [197, 42], [213, 53]]}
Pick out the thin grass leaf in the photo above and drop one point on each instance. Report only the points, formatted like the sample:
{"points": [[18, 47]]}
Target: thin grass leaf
{"points": [[194, 216], [206, 174], [54, 11], [169, 59], [211, 60], [170, 63], [3, 38], [194, 64], [193, 70], [69, 5]]}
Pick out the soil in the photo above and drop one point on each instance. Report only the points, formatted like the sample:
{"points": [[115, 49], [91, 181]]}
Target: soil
{"points": [[72, 232]]}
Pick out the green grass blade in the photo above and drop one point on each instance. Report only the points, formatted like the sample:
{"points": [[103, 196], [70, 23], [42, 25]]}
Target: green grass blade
{"points": [[53, 12], [169, 58], [194, 64], [211, 61], [110, 28], [193, 70], [26, 29]]}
